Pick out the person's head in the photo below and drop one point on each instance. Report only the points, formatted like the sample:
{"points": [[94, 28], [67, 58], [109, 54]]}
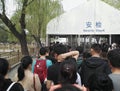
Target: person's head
{"points": [[4, 66], [103, 55], [26, 63], [95, 49], [43, 51], [100, 82], [114, 58], [80, 49], [59, 49], [69, 48], [68, 87], [86, 55], [68, 71], [105, 47]]}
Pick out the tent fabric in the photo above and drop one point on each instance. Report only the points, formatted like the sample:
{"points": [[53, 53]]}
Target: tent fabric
{"points": [[93, 17]]}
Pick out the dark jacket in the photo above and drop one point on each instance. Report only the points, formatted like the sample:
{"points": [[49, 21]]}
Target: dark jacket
{"points": [[92, 65], [15, 87]]}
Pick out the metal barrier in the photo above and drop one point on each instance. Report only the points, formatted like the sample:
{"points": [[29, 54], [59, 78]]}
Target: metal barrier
{"points": [[12, 52], [13, 57]]}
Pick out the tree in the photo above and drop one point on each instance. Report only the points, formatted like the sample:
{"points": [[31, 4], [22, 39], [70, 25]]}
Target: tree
{"points": [[114, 3], [24, 17], [41, 12], [3, 33], [21, 36]]}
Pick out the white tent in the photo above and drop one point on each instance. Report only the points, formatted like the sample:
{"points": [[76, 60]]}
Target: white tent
{"points": [[92, 17]]}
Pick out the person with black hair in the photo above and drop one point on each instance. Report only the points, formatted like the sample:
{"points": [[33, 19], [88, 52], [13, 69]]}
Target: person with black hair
{"points": [[60, 53], [26, 78], [99, 82], [69, 48], [86, 55], [80, 58], [68, 70], [50, 54], [40, 66], [114, 60], [67, 74], [5, 83], [43, 53], [93, 64], [68, 87]]}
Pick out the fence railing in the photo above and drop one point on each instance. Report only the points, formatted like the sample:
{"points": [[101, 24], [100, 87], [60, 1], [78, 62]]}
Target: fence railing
{"points": [[12, 52], [13, 56]]}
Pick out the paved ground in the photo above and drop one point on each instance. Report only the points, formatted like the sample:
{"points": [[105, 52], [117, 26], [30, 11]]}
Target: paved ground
{"points": [[12, 72]]}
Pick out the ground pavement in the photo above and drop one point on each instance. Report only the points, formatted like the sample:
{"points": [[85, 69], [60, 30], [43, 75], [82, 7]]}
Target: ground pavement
{"points": [[12, 72]]}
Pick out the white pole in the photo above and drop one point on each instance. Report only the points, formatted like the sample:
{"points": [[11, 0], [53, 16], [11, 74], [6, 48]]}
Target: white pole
{"points": [[110, 39], [47, 39]]}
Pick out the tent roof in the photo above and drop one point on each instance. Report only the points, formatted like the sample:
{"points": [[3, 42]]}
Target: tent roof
{"points": [[92, 17]]}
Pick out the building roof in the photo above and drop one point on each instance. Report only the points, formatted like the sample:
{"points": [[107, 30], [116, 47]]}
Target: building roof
{"points": [[92, 17]]}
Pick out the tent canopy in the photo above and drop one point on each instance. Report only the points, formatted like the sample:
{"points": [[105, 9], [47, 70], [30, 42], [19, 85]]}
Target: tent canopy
{"points": [[93, 17]]}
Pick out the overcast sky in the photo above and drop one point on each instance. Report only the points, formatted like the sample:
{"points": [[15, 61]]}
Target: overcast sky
{"points": [[10, 7], [67, 5]]}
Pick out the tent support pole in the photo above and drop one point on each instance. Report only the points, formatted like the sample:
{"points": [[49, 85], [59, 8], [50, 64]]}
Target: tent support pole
{"points": [[110, 38], [78, 40], [47, 39]]}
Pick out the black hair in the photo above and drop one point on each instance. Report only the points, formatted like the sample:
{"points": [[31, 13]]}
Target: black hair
{"points": [[43, 50], [96, 47], [100, 82], [69, 48], [68, 87], [86, 55], [60, 49], [68, 71], [4, 66], [105, 47], [114, 57], [25, 62], [80, 49]]}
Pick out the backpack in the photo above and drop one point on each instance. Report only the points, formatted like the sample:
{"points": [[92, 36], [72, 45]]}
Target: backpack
{"points": [[41, 69]]}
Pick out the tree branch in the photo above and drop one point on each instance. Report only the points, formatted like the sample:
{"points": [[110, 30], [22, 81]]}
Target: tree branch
{"points": [[10, 25], [0, 16], [30, 2], [22, 18], [4, 29], [3, 6], [37, 40]]}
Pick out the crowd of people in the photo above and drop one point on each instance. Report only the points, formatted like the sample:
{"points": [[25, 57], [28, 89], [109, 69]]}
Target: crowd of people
{"points": [[61, 68]]}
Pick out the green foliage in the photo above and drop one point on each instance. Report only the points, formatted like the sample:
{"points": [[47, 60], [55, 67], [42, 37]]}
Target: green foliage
{"points": [[3, 36], [38, 14], [16, 19], [3, 33], [12, 38], [114, 3]]}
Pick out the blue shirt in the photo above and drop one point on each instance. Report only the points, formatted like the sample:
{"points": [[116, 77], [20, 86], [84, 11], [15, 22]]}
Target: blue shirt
{"points": [[48, 63]]}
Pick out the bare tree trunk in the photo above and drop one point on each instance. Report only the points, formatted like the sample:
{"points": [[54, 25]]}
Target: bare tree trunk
{"points": [[24, 48]]}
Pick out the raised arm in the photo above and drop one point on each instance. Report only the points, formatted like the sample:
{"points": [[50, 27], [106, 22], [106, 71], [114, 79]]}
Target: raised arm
{"points": [[74, 54]]}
